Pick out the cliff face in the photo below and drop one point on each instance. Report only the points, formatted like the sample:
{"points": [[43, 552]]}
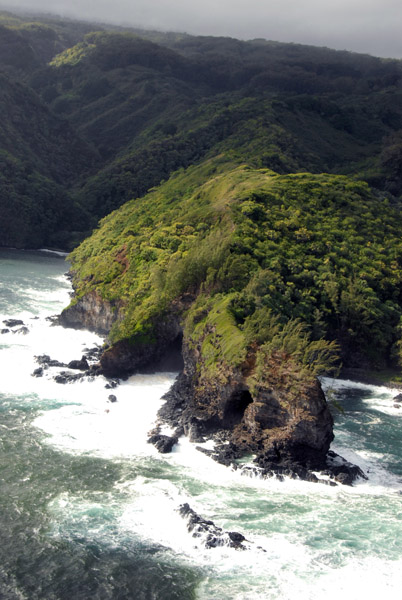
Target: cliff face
{"points": [[91, 312], [285, 423], [270, 420], [159, 350]]}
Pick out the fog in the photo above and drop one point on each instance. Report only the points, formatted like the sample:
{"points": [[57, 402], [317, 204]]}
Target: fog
{"points": [[369, 26]]}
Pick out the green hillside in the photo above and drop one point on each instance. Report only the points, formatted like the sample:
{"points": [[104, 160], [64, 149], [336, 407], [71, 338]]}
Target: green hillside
{"points": [[238, 254], [98, 115]]}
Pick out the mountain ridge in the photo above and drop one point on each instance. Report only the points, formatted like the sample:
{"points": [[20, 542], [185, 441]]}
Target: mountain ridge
{"points": [[142, 107]]}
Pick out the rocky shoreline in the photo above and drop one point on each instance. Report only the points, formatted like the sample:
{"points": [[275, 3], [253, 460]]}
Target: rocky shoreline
{"points": [[287, 433], [279, 461]]}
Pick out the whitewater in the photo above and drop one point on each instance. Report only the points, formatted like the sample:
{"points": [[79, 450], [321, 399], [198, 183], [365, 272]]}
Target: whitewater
{"points": [[89, 509]]}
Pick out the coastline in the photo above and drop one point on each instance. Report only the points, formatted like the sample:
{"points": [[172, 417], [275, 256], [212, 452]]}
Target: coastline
{"points": [[386, 377]]}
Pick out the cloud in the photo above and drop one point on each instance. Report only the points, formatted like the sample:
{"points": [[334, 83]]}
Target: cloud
{"points": [[371, 26]]}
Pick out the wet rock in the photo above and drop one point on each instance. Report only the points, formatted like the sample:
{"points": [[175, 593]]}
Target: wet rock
{"points": [[93, 353], [80, 365], [397, 406], [53, 319], [193, 433], [343, 471], [46, 361], [112, 398], [13, 322], [112, 384], [94, 370], [38, 372], [208, 533], [397, 398], [163, 443], [22, 330], [66, 377], [5, 331]]}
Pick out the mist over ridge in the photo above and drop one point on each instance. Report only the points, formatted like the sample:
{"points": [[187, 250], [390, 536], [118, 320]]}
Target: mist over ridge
{"points": [[371, 27]]}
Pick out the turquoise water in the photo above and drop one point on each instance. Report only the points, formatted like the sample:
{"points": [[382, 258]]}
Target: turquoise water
{"points": [[88, 509]]}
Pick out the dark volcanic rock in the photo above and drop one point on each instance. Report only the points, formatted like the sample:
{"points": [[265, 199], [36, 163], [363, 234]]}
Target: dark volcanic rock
{"points": [[283, 419], [80, 365], [112, 384], [46, 361], [13, 322], [124, 358], [5, 331], [112, 398], [38, 372], [66, 377], [93, 353], [22, 330], [161, 352], [163, 443], [343, 471], [208, 533], [288, 437]]}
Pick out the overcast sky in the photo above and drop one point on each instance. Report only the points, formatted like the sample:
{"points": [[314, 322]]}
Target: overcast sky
{"points": [[370, 26]]}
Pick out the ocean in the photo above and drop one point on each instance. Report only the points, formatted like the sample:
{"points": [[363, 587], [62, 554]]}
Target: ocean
{"points": [[89, 509]]}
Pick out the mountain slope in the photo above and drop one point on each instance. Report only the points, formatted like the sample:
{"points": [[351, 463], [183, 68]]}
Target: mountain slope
{"points": [[107, 115], [40, 157]]}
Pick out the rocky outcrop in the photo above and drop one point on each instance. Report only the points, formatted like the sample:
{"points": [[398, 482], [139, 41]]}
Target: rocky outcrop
{"points": [[281, 417], [342, 470], [284, 430], [208, 534], [90, 312], [87, 369], [163, 443], [79, 365], [13, 322], [160, 352]]}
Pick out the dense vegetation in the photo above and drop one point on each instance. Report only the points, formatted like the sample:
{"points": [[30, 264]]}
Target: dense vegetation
{"points": [[256, 252], [259, 180], [98, 115]]}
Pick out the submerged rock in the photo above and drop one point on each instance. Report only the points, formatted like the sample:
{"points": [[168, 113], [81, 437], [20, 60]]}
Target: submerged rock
{"points": [[208, 533], [112, 384]]}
